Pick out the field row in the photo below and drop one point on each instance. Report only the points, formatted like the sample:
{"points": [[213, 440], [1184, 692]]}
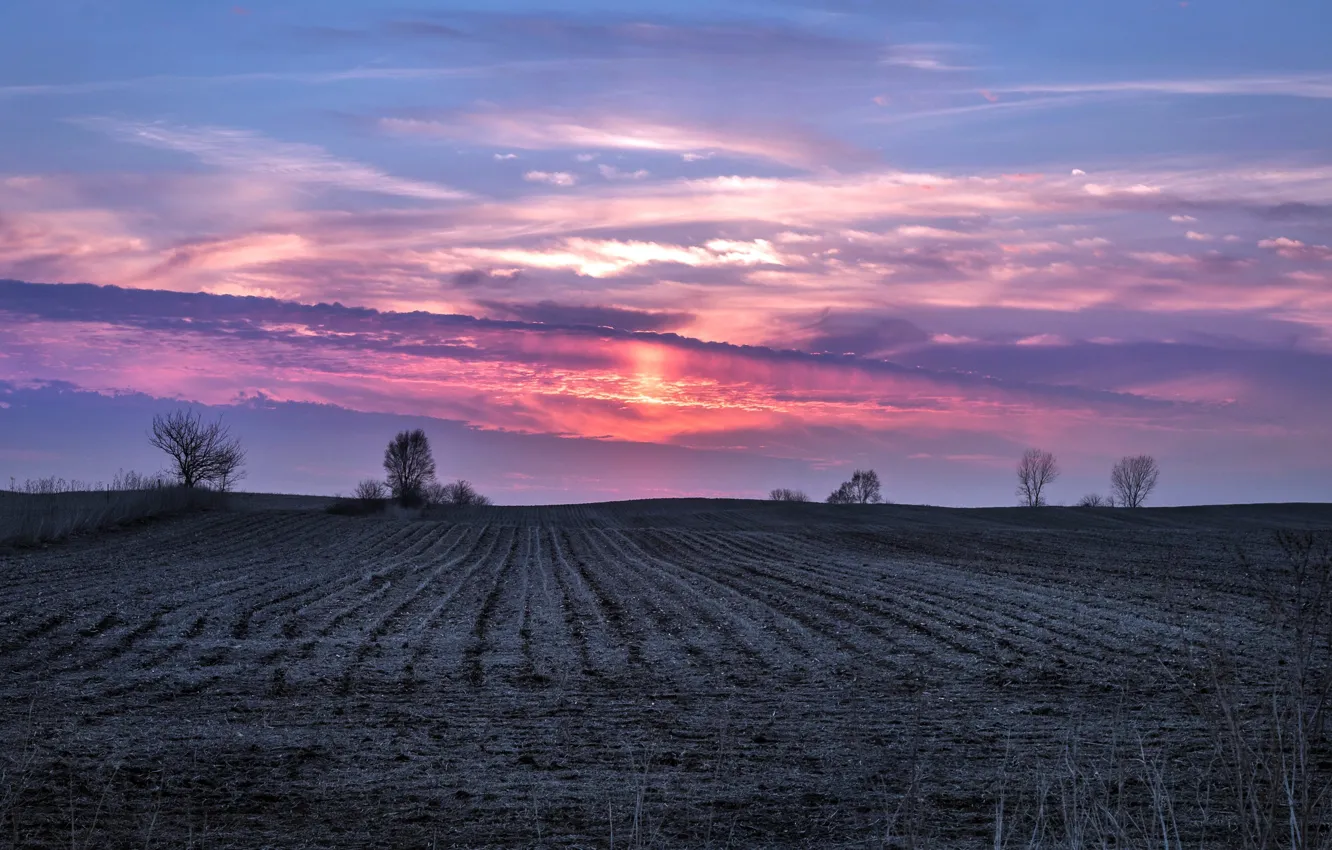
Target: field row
{"points": [[347, 603], [556, 676]]}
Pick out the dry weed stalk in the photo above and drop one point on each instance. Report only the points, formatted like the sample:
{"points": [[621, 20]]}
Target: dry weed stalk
{"points": [[15, 772], [1271, 764], [1272, 734], [1123, 797]]}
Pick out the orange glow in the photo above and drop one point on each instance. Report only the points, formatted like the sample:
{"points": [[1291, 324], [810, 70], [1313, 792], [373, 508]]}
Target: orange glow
{"points": [[645, 391]]}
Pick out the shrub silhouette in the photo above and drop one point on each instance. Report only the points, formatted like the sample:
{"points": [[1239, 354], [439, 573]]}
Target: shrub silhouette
{"points": [[458, 493], [370, 489], [1095, 500], [862, 489]]}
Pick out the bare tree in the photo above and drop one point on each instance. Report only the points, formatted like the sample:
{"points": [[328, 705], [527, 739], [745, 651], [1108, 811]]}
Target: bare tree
{"points": [[1096, 500], [786, 494], [202, 453], [1133, 479], [371, 490], [458, 493], [862, 489], [865, 487], [410, 466], [1037, 470], [230, 463]]}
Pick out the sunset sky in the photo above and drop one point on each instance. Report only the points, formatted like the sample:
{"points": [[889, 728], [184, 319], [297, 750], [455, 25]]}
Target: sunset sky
{"points": [[605, 250]]}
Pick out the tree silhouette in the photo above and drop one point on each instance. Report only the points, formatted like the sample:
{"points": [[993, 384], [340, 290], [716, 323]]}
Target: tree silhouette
{"points": [[202, 453], [1133, 479], [862, 489], [409, 466], [1035, 471]]}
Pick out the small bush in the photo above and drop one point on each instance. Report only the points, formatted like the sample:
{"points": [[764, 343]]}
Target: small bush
{"points": [[786, 494], [1096, 500], [369, 490], [458, 493], [369, 497], [357, 507]]}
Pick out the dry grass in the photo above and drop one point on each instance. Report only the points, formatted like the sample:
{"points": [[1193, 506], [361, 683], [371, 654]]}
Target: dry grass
{"points": [[1265, 780], [28, 519]]}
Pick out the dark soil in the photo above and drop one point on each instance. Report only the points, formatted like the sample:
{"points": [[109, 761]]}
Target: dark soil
{"points": [[675, 673]]}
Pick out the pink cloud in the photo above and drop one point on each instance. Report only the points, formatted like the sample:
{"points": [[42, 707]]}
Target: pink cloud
{"points": [[610, 172], [764, 244], [1164, 258], [1293, 249], [602, 258], [643, 391], [554, 178], [983, 400]]}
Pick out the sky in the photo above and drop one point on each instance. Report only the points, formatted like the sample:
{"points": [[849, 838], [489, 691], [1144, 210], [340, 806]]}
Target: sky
{"points": [[607, 250]]}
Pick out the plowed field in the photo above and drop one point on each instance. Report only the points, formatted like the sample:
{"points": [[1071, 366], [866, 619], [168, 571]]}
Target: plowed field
{"points": [[683, 673]]}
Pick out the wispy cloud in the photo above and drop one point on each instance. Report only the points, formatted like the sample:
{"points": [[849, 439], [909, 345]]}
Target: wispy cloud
{"points": [[668, 37], [993, 106], [1294, 85], [330, 77], [289, 162], [923, 57], [552, 131]]}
